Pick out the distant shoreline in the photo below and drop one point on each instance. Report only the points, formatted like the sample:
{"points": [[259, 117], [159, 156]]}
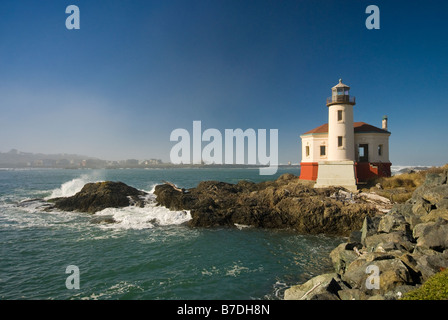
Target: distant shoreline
{"points": [[4, 167], [160, 166]]}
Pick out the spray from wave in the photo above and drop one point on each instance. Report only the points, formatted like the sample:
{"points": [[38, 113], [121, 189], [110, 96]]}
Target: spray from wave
{"points": [[73, 186], [131, 217]]}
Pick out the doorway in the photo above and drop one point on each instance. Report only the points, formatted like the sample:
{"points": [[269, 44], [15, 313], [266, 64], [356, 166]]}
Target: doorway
{"points": [[363, 153]]}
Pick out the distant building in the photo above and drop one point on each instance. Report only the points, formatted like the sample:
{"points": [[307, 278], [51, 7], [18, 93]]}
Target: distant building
{"points": [[49, 163], [38, 163], [342, 152], [63, 162], [132, 162], [151, 162]]}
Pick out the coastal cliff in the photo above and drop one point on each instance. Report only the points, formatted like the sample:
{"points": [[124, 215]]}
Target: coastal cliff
{"points": [[392, 254]]}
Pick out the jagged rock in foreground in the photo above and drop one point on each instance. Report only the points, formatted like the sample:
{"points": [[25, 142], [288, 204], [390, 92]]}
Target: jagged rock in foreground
{"points": [[100, 195], [285, 203], [406, 246]]}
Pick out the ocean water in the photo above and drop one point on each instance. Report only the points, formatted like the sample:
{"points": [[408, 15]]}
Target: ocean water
{"points": [[150, 253]]}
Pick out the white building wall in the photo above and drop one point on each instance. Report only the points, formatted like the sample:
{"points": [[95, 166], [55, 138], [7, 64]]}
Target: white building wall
{"points": [[314, 142], [374, 140]]}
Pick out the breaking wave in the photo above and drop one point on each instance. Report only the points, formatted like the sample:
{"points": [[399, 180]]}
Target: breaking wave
{"points": [[73, 186], [131, 217]]}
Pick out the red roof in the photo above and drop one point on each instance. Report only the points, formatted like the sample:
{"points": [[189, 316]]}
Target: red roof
{"points": [[357, 126]]}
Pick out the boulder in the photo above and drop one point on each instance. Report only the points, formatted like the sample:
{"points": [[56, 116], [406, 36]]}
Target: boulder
{"points": [[342, 256], [392, 272], [393, 222], [432, 194], [425, 263], [421, 206], [400, 240], [435, 214], [325, 286], [352, 294], [97, 196], [406, 210], [432, 235], [434, 179], [368, 228]]}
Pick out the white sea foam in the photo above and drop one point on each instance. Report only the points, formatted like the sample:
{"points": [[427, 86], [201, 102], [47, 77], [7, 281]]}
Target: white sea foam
{"points": [[397, 169], [33, 215], [121, 288], [150, 216], [73, 186], [131, 217]]}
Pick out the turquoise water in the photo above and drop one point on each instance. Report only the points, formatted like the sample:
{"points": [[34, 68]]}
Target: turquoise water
{"points": [[150, 253]]}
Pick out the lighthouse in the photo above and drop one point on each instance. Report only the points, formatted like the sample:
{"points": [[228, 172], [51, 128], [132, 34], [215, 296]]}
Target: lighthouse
{"points": [[339, 168], [343, 152], [341, 136]]}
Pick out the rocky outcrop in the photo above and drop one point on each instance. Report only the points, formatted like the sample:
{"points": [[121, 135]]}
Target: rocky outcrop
{"points": [[392, 253], [285, 203], [100, 195]]}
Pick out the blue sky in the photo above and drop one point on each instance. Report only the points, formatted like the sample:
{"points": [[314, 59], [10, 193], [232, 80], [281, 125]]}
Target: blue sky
{"points": [[136, 70]]}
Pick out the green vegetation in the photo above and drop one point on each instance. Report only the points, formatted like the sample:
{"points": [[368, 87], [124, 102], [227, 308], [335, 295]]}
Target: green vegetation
{"points": [[435, 288]]}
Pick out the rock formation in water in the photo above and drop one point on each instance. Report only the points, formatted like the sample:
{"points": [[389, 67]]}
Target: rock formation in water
{"points": [[285, 203], [100, 195]]}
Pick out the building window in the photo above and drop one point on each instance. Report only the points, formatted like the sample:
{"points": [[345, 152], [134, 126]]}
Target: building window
{"points": [[340, 141], [322, 151], [380, 150], [307, 151], [339, 115]]}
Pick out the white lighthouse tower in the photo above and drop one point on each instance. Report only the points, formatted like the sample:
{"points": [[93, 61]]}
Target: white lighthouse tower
{"points": [[341, 136], [339, 167]]}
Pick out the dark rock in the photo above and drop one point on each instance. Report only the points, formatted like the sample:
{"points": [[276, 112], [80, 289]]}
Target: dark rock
{"points": [[352, 294], [103, 220], [355, 236], [432, 194], [368, 228], [407, 245], [433, 179], [323, 287], [426, 263], [95, 197], [285, 203], [422, 206], [342, 256], [432, 235], [400, 239], [393, 222], [392, 272], [37, 204]]}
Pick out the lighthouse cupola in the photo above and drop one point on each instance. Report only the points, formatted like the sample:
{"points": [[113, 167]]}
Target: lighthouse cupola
{"points": [[340, 94]]}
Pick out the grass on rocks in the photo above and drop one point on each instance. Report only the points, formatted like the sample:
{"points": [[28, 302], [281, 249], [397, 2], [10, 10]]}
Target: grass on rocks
{"points": [[400, 187]]}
